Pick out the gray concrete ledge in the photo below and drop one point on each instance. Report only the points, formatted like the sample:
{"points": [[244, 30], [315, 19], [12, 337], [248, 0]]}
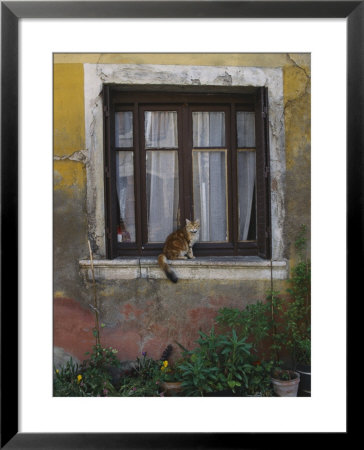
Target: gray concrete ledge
{"points": [[205, 268]]}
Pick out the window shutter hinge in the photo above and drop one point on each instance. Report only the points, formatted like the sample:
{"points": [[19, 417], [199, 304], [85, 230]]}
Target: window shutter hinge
{"points": [[106, 111], [266, 172], [267, 232], [108, 233], [264, 112], [107, 172]]}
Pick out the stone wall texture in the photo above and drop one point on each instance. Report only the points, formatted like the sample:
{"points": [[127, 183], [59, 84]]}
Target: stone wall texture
{"points": [[148, 314]]}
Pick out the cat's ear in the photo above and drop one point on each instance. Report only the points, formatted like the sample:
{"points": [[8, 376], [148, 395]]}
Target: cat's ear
{"points": [[188, 221], [197, 222]]}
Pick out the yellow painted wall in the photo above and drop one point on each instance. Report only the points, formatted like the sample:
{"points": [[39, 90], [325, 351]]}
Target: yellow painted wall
{"points": [[68, 104], [198, 59], [68, 126]]}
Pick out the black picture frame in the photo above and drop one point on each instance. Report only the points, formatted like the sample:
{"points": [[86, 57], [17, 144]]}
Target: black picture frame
{"points": [[11, 12]]}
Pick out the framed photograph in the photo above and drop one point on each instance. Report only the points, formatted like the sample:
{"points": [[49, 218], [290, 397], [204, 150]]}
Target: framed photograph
{"points": [[124, 123]]}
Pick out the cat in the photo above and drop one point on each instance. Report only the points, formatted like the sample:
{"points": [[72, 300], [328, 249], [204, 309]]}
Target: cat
{"points": [[178, 245]]}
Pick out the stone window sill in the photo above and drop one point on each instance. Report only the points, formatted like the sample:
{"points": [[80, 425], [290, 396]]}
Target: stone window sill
{"points": [[204, 268]]}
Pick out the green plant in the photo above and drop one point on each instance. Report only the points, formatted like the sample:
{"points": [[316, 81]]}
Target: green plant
{"points": [[219, 362], [295, 312], [66, 381], [303, 351], [146, 368], [197, 376], [253, 322], [260, 378], [169, 374], [90, 379], [282, 324], [283, 374], [147, 377], [134, 386]]}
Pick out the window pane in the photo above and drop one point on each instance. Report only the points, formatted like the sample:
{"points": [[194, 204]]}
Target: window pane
{"points": [[161, 129], [124, 129], [208, 129], [209, 194], [125, 193], [245, 124], [162, 193], [246, 195]]}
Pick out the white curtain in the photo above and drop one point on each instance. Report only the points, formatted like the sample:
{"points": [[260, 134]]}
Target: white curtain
{"points": [[160, 129], [162, 193], [208, 129], [210, 194], [209, 175], [124, 129], [125, 192], [245, 124], [162, 173], [246, 184]]}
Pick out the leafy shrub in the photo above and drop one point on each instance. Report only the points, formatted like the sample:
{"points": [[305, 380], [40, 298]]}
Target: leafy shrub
{"points": [[90, 379], [146, 368], [220, 362]]}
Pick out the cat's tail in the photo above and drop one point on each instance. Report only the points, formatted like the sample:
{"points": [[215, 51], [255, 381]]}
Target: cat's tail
{"points": [[162, 261]]}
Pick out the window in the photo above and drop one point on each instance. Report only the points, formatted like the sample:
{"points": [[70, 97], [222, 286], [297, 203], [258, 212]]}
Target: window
{"points": [[176, 155]]}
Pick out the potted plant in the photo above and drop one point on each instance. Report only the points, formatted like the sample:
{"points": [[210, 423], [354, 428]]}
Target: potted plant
{"points": [[285, 382], [171, 383]]}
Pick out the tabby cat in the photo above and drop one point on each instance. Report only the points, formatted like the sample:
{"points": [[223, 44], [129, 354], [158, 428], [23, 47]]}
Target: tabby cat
{"points": [[178, 245]]}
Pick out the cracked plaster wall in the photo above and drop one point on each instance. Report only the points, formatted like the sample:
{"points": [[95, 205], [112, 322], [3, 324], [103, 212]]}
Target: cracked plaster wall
{"points": [[139, 316]]}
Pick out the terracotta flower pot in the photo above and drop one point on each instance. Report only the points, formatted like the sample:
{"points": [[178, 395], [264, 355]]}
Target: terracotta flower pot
{"points": [[172, 388], [286, 388]]}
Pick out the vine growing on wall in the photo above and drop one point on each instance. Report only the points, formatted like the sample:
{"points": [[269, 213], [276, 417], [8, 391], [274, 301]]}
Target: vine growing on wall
{"points": [[291, 319], [94, 307]]}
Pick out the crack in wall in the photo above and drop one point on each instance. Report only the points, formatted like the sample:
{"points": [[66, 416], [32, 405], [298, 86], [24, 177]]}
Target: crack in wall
{"points": [[305, 92], [78, 156], [298, 66]]}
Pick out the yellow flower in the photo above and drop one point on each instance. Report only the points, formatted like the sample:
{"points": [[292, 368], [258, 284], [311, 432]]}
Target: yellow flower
{"points": [[165, 363], [79, 378], [57, 371]]}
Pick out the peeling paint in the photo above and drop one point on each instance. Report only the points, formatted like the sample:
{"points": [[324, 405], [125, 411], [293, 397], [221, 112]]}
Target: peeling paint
{"points": [[225, 80], [79, 156]]}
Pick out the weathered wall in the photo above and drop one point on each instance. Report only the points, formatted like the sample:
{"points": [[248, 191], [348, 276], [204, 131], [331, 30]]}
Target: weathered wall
{"points": [[147, 314]]}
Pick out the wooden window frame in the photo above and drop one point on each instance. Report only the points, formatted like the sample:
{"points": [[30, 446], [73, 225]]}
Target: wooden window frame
{"points": [[126, 98]]}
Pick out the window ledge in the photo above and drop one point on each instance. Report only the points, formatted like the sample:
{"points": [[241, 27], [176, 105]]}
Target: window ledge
{"points": [[204, 268]]}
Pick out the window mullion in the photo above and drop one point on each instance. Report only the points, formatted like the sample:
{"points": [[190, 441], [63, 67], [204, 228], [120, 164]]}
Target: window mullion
{"points": [[234, 181], [187, 161], [143, 184], [137, 178]]}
